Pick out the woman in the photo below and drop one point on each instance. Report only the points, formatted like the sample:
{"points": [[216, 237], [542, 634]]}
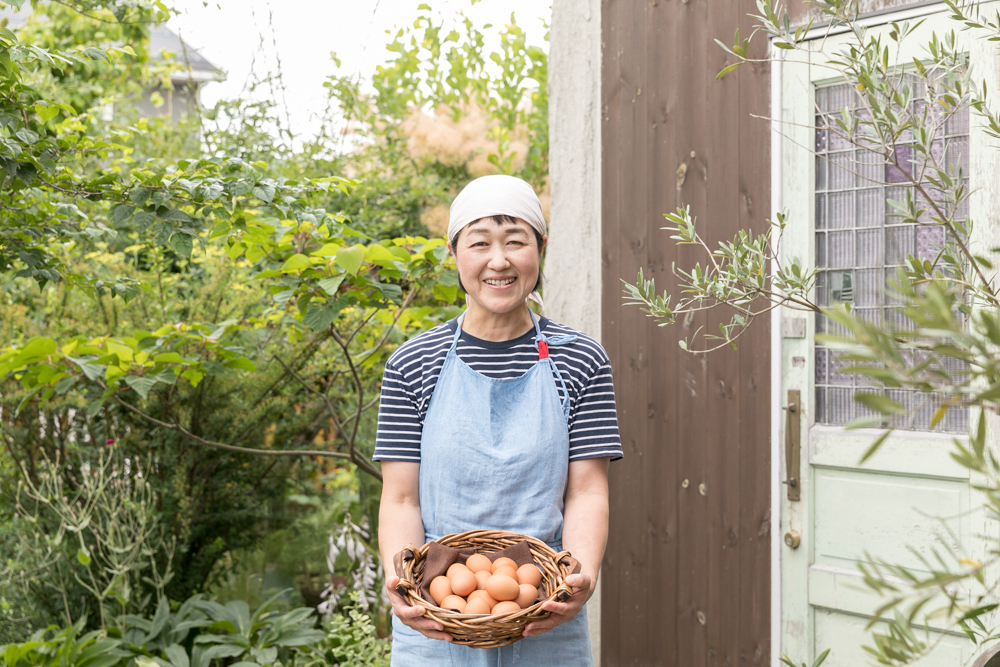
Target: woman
{"points": [[497, 420]]}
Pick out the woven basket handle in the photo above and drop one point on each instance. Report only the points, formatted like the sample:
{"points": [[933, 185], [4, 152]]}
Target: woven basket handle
{"points": [[403, 563], [567, 566]]}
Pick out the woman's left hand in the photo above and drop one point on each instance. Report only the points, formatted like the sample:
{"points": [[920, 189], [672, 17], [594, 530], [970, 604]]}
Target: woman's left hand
{"points": [[562, 611]]}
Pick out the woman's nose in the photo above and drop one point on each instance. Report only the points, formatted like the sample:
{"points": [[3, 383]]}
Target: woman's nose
{"points": [[498, 259]]}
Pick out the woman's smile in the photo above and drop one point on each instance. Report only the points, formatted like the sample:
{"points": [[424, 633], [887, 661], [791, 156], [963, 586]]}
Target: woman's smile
{"points": [[500, 283]]}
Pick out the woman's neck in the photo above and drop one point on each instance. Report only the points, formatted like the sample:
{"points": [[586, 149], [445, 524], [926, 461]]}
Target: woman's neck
{"points": [[496, 327]]}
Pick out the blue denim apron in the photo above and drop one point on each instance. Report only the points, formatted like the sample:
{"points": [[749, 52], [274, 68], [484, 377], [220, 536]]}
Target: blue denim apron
{"points": [[494, 453]]}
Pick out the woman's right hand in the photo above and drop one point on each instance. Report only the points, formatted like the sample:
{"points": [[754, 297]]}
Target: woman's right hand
{"points": [[412, 616]]}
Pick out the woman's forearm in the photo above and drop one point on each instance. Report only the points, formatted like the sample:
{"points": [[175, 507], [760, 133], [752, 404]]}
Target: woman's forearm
{"points": [[399, 524], [399, 521], [585, 517]]}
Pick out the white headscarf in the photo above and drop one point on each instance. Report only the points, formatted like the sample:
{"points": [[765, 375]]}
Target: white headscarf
{"points": [[488, 196]]}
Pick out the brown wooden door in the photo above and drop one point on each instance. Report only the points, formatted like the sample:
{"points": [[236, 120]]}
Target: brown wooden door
{"points": [[686, 578]]}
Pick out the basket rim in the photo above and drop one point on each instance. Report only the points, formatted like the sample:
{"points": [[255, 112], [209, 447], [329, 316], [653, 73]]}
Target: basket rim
{"points": [[560, 591]]}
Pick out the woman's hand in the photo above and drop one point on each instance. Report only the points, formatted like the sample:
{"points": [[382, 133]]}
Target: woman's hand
{"points": [[563, 611], [412, 616]]}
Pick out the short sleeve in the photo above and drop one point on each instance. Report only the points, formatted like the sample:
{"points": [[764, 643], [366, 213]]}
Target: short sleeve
{"points": [[399, 422], [593, 425]]}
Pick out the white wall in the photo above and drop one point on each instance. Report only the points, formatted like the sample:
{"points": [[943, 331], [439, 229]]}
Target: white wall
{"points": [[573, 258]]}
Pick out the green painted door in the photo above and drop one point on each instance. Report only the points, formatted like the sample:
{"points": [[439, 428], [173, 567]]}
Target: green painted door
{"points": [[900, 501]]}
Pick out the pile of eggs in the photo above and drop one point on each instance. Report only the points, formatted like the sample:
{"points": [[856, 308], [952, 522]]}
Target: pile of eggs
{"points": [[484, 587]]}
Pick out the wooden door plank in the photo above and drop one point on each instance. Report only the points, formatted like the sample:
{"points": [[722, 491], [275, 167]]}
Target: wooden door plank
{"points": [[660, 97], [718, 222], [755, 375]]}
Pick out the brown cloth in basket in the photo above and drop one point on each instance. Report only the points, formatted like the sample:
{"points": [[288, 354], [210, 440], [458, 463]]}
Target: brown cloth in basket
{"points": [[439, 558]]}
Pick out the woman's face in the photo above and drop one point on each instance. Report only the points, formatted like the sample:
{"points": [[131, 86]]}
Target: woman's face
{"points": [[498, 264]]}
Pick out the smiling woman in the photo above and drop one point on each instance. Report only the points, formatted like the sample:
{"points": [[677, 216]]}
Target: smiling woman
{"points": [[481, 425]]}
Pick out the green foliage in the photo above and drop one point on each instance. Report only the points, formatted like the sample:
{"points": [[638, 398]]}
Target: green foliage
{"points": [[442, 111], [63, 647], [350, 639], [820, 659]]}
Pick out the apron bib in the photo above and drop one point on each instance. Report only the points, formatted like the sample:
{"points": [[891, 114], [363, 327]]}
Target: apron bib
{"points": [[494, 453]]}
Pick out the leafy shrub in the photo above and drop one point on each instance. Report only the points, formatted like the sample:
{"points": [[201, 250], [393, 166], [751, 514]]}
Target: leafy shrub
{"points": [[54, 647]]}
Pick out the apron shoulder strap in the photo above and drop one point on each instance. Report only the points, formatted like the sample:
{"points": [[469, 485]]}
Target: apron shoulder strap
{"points": [[542, 342]]}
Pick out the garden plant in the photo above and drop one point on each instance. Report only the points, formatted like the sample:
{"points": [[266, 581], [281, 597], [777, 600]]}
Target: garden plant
{"points": [[193, 317]]}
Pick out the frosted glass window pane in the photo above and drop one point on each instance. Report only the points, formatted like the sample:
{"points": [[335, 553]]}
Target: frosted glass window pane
{"points": [[840, 403], [821, 211], [958, 123], [900, 168], [867, 287], [821, 135], [898, 195], [821, 169], [840, 212], [869, 247], [821, 250], [957, 155], [870, 207], [841, 169], [930, 241], [868, 167], [821, 365], [898, 243], [840, 249]]}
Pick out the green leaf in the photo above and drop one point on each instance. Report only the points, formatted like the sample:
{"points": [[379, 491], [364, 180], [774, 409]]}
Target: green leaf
{"points": [[242, 363], [176, 215], [177, 656], [879, 403], [83, 557], [727, 70], [141, 384], [296, 263], [45, 114], [351, 259], [446, 293], [182, 244], [319, 318], [331, 285], [875, 446]]}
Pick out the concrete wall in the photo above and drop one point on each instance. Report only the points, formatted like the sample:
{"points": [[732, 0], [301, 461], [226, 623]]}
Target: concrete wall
{"points": [[573, 258]]}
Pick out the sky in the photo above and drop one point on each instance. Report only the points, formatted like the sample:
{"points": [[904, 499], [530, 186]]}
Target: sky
{"points": [[297, 36]]}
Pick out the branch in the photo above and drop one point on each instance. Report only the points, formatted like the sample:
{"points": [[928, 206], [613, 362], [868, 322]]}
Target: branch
{"points": [[221, 445]]}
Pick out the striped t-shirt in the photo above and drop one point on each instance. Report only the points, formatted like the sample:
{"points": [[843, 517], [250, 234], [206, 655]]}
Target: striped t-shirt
{"points": [[412, 372]]}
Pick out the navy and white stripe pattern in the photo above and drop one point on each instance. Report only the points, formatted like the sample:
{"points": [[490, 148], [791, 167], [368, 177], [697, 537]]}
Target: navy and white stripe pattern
{"points": [[412, 372]]}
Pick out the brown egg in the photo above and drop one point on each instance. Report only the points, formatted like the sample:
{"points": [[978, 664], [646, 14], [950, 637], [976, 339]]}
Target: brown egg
{"points": [[527, 596], [502, 588], [455, 567], [463, 582], [503, 561], [506, 571], [477, 606], [529, 574], [478, 562], [505, 607], [453, 602], [440, 589], [481, 578], [483, 595]]}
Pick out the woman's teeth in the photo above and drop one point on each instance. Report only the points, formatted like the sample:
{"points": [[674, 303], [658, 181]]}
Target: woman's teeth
{"points": [[500, 283]]}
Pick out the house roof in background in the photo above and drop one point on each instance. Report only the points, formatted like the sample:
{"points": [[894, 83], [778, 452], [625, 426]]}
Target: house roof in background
{"points": [[161, 39]]}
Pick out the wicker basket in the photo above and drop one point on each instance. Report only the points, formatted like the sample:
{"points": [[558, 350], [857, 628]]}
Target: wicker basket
{"points": [[492, 630]]}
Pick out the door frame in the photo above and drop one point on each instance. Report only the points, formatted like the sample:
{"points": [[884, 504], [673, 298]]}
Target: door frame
{"points": [[780, 509]]}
